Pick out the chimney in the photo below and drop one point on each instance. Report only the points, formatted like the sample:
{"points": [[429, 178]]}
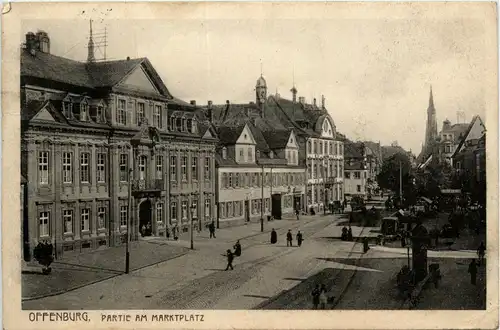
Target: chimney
{"points": [[193, 102], [314, 102], [210, 112], [43, 42], [323, 102], [302, 100], [31, 42]]}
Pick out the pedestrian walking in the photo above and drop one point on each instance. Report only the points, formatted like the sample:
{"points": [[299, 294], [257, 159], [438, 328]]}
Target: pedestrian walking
{"points": [[344, 234], [230, 259], [323, 299], [315, 296], [237, 248], [211, 229], [473, 271], [299, 238], [274, 236], [480, 252], [289, 241], [297, 213], [175, 232]]}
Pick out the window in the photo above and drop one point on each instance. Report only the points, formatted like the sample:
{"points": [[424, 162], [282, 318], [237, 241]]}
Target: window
{"points": [[121, 112], [101, 217], [101, 167], [242, 155], [159, 167], [309, 171], [67, 173], [123, 167], [309, 149], [173, 211], [347, 175], [84, 167], [357, 175], [173, 164], [67, 108], [43, 224], [230, 182], [320, 147], [85, 217], [184, 209], [229, 209], [250, 155], [159, 212], [207, 168], [43, 167], [100, 114], [157, 116], [194, 209], [237, 208], [207, 208], [358, 188], [142, 167], [123, 215], [184, 168], [236, 180], [68, 221], [315, 173], [139, 114], [224, 180], [84, 111], [224, 153], [194, 168], [222, 207], [183, 124]]}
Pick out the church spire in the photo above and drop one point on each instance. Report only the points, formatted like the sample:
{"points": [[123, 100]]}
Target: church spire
{"points": [[431, 100], [90, 55]]}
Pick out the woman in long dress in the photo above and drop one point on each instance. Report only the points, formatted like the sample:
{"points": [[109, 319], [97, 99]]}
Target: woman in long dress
{"points": [[274, 237]]}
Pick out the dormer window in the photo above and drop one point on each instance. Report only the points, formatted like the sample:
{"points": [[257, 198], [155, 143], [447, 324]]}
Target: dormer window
{"points": [[257, 154], [67, 108], [250, 155], [194, 126], [183, 125], [189, 125], [224, 153], [84, 111], [178, 124], [271, 154], [100, 114]]}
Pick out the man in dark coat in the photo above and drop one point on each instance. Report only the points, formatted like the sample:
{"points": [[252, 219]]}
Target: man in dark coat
{"points": [[274, 236], [299, 238], [473, 271], [211, 229], [344, 234], [349, 234], [315, 294], [230, 258], [289, 239], [480, 252]]}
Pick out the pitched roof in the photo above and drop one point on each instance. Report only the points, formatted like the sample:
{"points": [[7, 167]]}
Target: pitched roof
{"points": [[352, 150], [229, 134], [277, 139], [465, 134], [95, 75]]}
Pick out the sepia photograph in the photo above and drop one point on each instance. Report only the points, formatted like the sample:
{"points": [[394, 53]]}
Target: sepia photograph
{"points": [[334, 159]]}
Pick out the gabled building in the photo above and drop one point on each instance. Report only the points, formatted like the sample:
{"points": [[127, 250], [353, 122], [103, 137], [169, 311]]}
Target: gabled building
{"points": [[356, 170], [449, 139], [321, 150], [469, 160], [106, 145], [258, 166]]}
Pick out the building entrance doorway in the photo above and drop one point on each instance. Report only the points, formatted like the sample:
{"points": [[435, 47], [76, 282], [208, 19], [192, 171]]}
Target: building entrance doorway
{"points": [[145, 223], [276, 206]]}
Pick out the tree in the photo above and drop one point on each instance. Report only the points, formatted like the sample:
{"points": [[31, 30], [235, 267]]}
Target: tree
{"points": [[389, 176]]}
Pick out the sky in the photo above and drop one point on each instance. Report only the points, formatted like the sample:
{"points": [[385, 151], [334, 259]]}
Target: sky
{"points": [[375, 73]]}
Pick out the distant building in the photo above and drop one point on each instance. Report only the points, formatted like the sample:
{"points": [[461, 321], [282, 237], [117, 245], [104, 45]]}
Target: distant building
{"points": [[431, 132], [360, 170], [449, 139], [469, 160], [84, 125]]}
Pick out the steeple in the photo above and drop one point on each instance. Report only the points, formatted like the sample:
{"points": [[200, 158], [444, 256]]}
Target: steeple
{"points": [[431, 127], [431, 102], [90, 55]]}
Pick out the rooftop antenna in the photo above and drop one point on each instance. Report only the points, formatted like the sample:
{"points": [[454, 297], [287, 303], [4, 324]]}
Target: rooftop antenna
{"points": [[100, 42]]}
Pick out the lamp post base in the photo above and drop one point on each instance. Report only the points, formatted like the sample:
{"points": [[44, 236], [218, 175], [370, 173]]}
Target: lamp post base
{"points": [[127, 262]]}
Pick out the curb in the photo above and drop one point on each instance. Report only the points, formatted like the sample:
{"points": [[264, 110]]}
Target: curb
{"points": [[97, 281], [415, 294]]}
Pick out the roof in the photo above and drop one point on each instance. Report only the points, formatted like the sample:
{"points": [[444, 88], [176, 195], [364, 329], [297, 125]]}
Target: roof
{"points": [[355, 165], [459, 130], [353, 150], [277, 139], [229, 134], [464, 136], [104, 74]]}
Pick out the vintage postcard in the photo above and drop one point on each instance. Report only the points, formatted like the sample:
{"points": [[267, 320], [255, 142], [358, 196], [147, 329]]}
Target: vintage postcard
{"points": [[241, 165]]}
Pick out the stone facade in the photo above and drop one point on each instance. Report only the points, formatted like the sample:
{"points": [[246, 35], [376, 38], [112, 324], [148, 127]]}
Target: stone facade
{"points": [[79, 122]]}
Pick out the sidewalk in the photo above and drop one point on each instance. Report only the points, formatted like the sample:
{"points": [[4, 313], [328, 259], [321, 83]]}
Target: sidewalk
{"points": [[83, 269], [455, 290]]}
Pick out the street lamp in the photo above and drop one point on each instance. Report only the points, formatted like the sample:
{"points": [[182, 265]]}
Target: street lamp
{"points": [[193, 209], [129, 219]]}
